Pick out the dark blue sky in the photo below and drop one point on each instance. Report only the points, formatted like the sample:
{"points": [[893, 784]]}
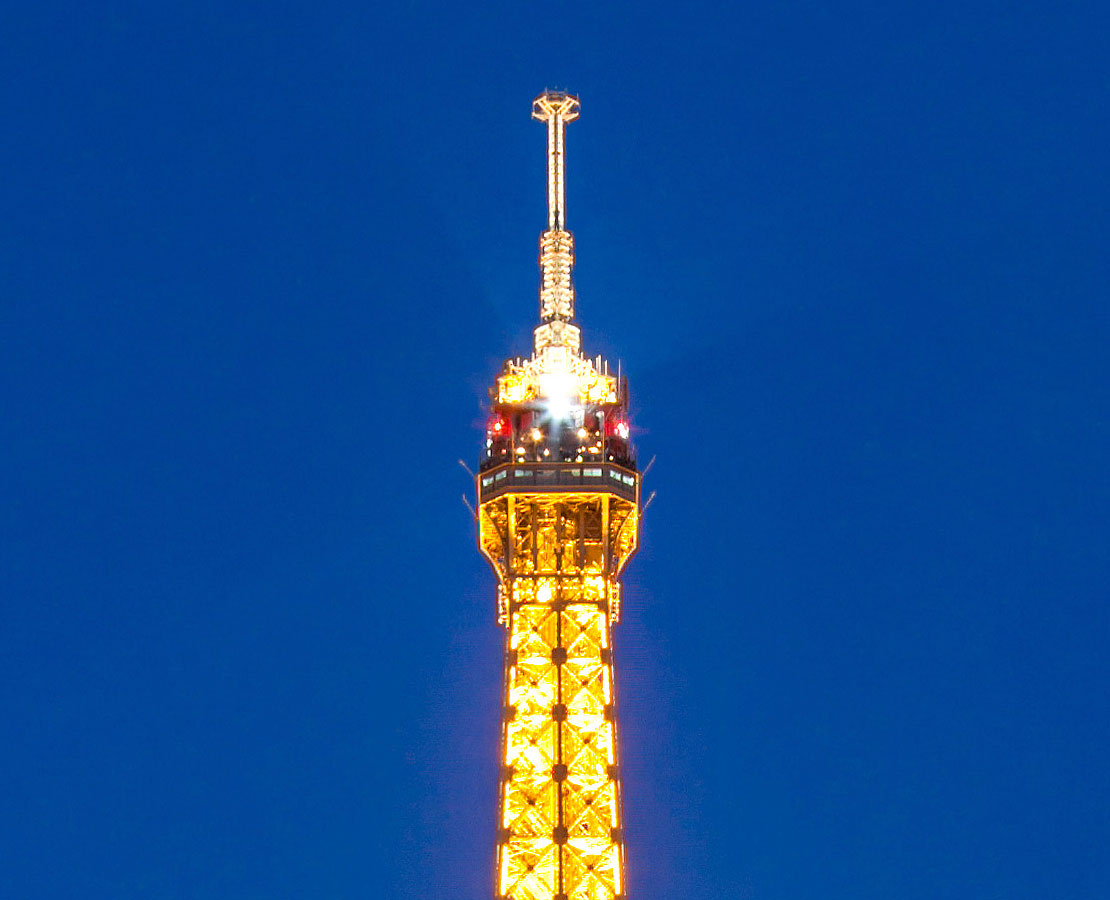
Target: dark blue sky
{"points": [[258, 264]]}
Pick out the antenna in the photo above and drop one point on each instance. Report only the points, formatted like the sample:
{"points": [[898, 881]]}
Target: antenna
{"points": [[556, 243]]}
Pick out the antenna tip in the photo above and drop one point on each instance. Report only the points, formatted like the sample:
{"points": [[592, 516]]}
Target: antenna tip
{"points": [[555, 104]]}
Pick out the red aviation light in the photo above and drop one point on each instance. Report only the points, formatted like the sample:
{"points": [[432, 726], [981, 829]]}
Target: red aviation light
{"points": [[617, 427], [498, 426]]}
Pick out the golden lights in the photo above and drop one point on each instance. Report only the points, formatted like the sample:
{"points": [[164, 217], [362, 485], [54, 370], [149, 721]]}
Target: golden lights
{"points": [[558, 558], [579, 381]]}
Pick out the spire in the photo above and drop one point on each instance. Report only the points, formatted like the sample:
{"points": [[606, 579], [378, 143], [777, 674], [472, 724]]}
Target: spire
{"points": [[556, 243]]}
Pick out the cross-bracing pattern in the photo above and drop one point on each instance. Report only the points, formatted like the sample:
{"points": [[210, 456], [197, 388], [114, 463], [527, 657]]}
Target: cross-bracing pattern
{"points": [[558, 557]]}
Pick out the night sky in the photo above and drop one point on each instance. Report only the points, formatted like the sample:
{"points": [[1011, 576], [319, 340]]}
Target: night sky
{"points": [[259, 263]]}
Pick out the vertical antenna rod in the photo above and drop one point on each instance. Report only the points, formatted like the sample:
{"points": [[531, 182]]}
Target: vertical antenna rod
{"points": [[556, 243], [556, 109]]}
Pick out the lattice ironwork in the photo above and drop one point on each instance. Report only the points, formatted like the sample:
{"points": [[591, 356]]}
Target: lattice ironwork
{"points": [[559, 557]]}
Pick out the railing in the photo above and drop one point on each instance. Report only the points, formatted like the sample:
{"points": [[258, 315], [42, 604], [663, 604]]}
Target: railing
{"points": [[533, 478]]}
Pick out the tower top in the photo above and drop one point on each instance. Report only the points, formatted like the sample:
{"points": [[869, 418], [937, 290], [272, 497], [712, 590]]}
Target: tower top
{"points": [[558, 388]]}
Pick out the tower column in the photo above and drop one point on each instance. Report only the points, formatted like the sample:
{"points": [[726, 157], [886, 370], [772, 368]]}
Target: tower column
{"points": [[560, 818]]}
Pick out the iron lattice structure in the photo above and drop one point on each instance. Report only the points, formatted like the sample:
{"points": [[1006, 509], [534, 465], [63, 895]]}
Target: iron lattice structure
{"points": [[558, 519]]}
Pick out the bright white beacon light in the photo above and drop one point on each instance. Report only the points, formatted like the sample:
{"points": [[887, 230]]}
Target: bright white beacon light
{"points": [[559, 391]]}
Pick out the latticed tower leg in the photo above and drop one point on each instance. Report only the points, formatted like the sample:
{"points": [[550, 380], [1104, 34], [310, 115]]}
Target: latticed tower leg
{"points": [[560, 824]]}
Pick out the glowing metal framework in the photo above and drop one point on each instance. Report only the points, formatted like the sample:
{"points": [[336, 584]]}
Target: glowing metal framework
{"points": [[558, 519]]}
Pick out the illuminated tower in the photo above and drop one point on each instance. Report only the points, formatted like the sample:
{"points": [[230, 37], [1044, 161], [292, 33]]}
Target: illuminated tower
{"points": [[558, 519]]}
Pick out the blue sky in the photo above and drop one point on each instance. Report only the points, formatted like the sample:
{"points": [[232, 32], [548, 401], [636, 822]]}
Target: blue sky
{"points": [[258, 265]]}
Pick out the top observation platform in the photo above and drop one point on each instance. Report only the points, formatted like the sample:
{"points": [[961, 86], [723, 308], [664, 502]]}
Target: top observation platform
{"points": [[559, 478]]}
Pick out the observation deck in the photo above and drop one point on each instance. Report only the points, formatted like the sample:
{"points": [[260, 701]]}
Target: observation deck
{"points": [[559, 478]]}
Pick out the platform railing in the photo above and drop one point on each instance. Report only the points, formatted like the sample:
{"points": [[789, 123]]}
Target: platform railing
{"points": [[528, 478]]}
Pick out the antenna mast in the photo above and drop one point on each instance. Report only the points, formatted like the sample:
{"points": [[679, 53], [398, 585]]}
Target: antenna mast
{"points": [[556, 243]]}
